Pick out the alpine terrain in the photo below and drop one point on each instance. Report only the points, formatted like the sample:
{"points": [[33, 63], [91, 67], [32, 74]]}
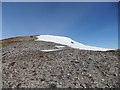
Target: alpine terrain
{"points": [[46, 61]]}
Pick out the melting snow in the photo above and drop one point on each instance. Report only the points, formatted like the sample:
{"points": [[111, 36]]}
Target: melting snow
{"points": [[50, 50], [67, 41], [59, 46]]}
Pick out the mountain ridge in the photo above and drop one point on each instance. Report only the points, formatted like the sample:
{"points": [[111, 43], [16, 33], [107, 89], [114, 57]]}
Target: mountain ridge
{"points": [[57, 39], [31, 63]]}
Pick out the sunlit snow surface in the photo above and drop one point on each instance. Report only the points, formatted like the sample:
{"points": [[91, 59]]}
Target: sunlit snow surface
{"points": [[69, 42], [59, 46], [50, 50]]}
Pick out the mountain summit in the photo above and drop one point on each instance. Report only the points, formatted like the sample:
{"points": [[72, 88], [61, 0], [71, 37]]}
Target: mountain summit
{"points": [[46, 61], [69, 42]]}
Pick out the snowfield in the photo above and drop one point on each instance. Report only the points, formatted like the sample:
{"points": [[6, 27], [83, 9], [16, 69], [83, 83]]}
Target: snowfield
{"points": [[69, 42]]}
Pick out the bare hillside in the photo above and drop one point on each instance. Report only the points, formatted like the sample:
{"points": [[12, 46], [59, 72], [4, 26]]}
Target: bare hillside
{"points": [[27, 63]]}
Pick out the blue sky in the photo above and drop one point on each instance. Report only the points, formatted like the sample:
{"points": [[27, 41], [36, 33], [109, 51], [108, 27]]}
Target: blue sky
{"points": [[90, 23]]}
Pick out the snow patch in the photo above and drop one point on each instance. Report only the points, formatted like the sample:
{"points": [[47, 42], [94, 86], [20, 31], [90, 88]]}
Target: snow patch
{"points": [[50, 50], [59, 46], [69, 42]]}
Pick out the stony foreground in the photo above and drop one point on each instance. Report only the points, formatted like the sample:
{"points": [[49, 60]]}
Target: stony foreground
{"points": [[25, 66]]}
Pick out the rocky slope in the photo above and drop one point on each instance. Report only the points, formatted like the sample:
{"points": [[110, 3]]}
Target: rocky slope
{"points": [[25, 65]]}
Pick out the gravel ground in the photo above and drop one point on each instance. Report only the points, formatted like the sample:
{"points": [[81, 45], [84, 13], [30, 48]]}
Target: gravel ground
{"points": [[25, 66]]}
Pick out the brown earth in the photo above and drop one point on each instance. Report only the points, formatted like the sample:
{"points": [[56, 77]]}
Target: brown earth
{"points": [[24, 65]]}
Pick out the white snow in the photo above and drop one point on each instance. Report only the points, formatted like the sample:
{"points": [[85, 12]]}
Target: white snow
{"points": [[69, 42], [50, 50], [59, 46]]}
